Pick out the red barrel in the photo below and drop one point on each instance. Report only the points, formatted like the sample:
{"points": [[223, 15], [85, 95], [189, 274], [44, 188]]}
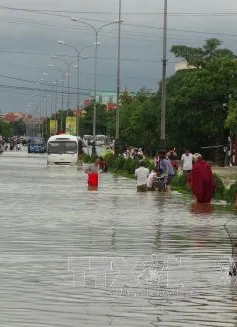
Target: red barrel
{"points": [[93, 178]]}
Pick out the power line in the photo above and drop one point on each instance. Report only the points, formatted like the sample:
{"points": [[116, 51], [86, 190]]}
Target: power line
{"points": [[84, 72], [71, 56], [125, 33], [124, 13], [7, 86], [54, 13]]}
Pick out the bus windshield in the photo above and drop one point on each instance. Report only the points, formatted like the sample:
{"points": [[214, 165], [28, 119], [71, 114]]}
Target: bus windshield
{"points": [[60, 147]]}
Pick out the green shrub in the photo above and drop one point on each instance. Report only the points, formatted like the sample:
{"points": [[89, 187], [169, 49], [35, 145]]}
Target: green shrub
{"points": [[151, 166], [220, 188], [134, 165], [88, 159], [230, 194], [119, 162], [127, 164], [181, 181], [110, 159]]}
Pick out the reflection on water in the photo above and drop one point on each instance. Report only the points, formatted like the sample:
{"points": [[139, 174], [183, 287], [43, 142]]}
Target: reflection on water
{"points": [[202, 208], [112, 257]]}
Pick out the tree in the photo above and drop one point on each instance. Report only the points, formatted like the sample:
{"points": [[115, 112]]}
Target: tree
{"points": [[195, 97], [18, 127], [197, 57], [231, 119], [5, 129], [101, 120], [139, 120]]}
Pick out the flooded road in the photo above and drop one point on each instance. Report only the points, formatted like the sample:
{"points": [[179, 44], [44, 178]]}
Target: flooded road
{"points": [[72, 257]]}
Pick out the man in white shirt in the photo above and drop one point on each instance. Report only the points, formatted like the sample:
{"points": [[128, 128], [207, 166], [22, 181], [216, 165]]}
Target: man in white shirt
{"points": [[141, 174], [187, 161]]}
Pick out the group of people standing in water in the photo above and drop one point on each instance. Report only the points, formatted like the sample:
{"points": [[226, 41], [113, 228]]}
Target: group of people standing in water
{"points": [[198, 171]]}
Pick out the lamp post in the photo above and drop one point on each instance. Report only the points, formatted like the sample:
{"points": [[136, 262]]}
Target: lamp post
{"points": [[68, 64], [96, 31], [56, 83], [47, 100], [78, 73], [39, 84]]}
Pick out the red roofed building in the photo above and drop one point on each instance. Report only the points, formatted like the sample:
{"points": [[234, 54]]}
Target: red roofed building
{"points": [[87, 102], [12, 116], [79, 112], [107, 98]]}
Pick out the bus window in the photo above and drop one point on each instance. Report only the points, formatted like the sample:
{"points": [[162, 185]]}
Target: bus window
{"points": [[57, 147]]}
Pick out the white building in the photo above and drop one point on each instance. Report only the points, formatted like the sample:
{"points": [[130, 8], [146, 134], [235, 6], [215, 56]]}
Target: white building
{"points": [[105, 97], [183, 65]]}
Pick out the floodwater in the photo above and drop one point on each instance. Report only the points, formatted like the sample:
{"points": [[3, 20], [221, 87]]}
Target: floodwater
{"points": [[72, 257]]}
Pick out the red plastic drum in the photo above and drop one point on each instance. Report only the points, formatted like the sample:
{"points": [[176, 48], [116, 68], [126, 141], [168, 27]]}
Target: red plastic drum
{"points": [[93, 179]]}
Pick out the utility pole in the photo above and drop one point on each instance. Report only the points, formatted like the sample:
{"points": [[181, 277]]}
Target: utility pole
{"points": [[118, 77], [164, 62], [95, 86]]}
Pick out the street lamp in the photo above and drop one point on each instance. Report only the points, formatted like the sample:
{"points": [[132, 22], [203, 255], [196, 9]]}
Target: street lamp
{"points": [[39, 84], [56, 83], [96, 30], [68, 73], [45, 103], [78, 72], [62, 76]]}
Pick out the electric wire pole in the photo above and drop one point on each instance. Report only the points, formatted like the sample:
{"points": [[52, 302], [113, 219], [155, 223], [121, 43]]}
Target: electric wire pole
{"points": [[118, 73], [163, 90]]}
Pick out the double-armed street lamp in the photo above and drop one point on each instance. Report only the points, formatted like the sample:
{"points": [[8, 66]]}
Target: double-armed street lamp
{"points": [[78, 52], [39, 84], [56, 84], [96, 31], [68, 64]]}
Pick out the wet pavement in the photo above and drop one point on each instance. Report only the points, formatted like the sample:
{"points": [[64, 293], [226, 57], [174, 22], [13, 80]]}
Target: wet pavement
{"points": [[112, 257]]}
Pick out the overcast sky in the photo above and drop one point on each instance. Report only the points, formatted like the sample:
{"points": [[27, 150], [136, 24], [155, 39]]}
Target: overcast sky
{"points": [[28, 40]]}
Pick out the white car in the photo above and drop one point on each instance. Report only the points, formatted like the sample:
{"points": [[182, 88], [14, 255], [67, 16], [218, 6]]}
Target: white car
{"points": [[100, 139]]}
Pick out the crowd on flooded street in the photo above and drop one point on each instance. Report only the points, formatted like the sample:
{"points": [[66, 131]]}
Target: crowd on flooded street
{"points": [[198, 171], [166, 166], [10, 143]]}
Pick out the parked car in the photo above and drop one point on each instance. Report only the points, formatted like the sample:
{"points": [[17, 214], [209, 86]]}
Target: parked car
{"points": [[100, 140]]}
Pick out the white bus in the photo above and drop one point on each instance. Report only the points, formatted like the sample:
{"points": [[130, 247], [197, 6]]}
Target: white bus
{"points": [[62, 150]]}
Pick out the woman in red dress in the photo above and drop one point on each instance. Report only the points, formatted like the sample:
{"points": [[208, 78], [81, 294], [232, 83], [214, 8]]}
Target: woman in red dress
{"points": [[201, 180]]}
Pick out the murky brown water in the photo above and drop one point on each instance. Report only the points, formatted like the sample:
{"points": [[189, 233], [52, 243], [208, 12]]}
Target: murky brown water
{"points": [[72, 257]]}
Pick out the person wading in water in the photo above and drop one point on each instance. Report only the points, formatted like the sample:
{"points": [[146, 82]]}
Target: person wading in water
{"points": [[201, 180], [141, 174]]}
